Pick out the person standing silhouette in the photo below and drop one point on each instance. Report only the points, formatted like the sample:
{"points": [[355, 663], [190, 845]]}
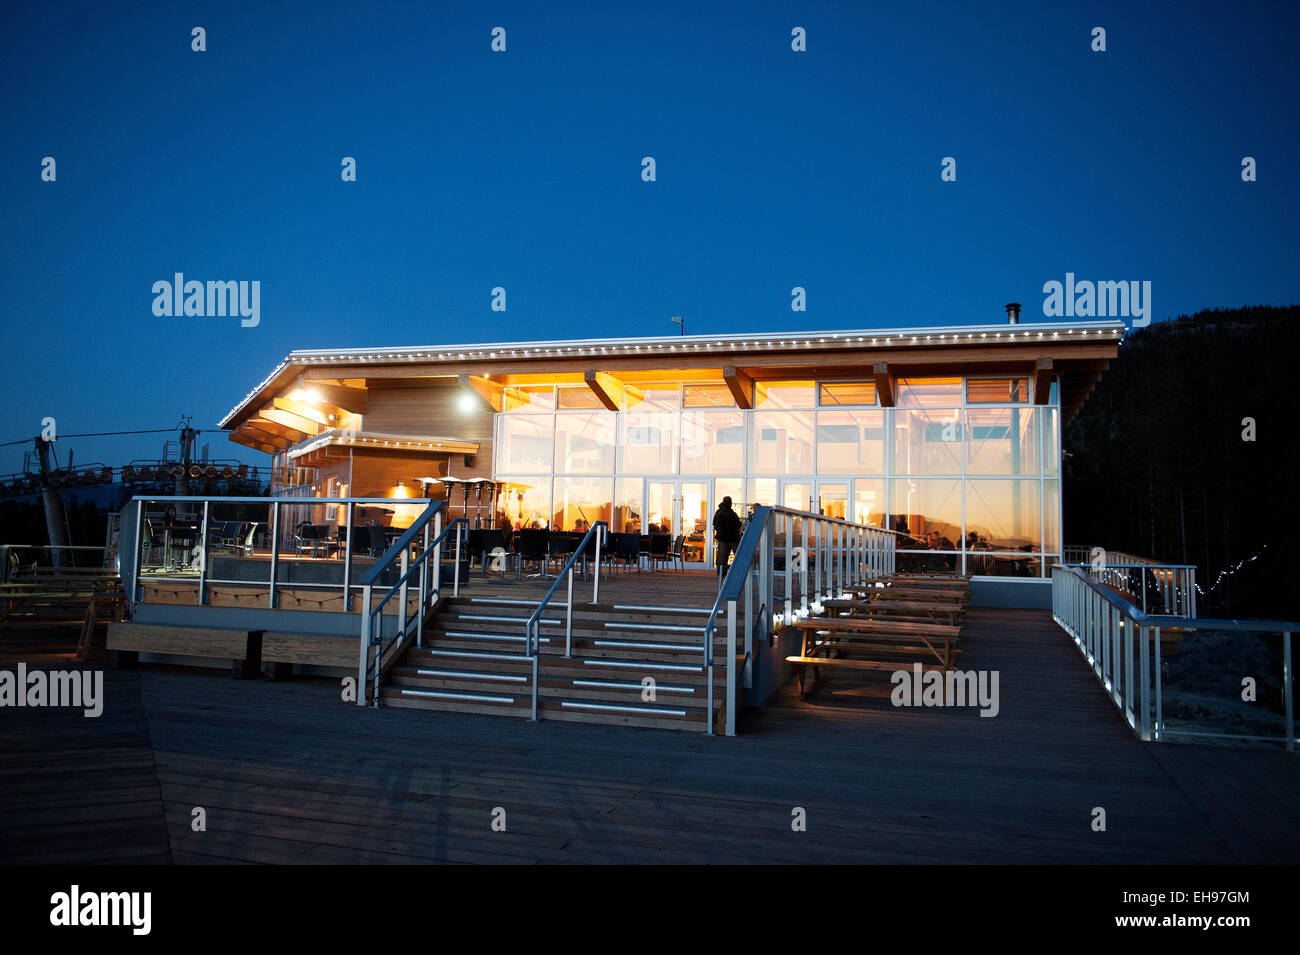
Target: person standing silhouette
{"points": [[726, 534]]}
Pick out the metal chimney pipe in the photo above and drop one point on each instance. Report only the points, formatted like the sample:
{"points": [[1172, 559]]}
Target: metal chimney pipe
{"points": [[1013, 313]]}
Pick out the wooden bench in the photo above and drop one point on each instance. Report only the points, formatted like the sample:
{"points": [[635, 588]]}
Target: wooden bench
{"points": [[126, 641], [921, 610], [906, 592], [881, 638], [280, 651]]}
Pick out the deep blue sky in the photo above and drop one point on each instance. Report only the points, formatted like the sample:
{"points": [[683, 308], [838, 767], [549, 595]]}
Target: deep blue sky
{"points": [[522, 170]]}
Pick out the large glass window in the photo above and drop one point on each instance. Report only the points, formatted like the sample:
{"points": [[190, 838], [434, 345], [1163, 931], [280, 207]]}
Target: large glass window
{"points": [[851, 442], [652, 397], [848, 393], [629, 505], [761, 491], [833, 500], [713, 442], [532, 399], [525, 444], [526, 501], [997, 390], [649, 444], [869, 501], [781, 442], [928, 392], [1004, 515], [1052, 516], [578, 396], [580, 502], [1048, 417], [823, 445], [927, 511], [708, 396], [927, 442], [584, 443], [784, 394], [1001, 441]]}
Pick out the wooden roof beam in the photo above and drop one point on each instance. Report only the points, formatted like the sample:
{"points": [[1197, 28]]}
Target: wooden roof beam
{"points": [[305, 427], [492, 392], [279, 431], [740, 385], [266, 437], [304, 410], [884, 383], [343, 398], [1042, 381], [604, 386]]}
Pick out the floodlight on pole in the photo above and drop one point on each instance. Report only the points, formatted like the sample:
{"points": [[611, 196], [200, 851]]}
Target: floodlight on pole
{"points": [[678, 320]]}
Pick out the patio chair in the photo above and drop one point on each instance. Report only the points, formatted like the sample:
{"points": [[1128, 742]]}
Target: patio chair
{"points": [[562, 544], [475, 547], [675, 554], [494, 546], [625, 549], [302, 538], [244, 541], [533, 546], [378, 541], [659, 550]]}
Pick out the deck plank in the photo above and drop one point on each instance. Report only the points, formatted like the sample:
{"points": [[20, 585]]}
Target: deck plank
{"points": [[288, 773]]}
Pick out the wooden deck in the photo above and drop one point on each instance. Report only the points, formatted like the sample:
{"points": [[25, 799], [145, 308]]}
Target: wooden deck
{"points": [[287, 773]]}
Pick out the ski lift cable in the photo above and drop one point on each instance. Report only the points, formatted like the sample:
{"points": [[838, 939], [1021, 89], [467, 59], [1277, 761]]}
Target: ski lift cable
{"points": [[95, 434]]}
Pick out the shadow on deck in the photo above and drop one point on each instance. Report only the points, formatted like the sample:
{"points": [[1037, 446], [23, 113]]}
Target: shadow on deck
{"points": [[287, 773]]}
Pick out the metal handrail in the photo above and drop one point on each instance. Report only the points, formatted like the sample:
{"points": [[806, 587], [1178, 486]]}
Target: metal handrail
{"points": [[846, 555], [744, 556], [372, 616], [532, 628], [1100, 649], [1174, 584], [404, 541]]}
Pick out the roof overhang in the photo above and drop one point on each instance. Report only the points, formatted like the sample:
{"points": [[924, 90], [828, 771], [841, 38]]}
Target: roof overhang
{"points": [[815, 354]]}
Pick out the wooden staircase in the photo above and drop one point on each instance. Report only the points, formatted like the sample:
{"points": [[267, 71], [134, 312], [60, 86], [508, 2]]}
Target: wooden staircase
{"points": [[474, 660], [44, 610]]}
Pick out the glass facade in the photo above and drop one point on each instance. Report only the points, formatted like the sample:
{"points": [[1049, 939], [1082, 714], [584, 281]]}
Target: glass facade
{"points": [[967, 470]]}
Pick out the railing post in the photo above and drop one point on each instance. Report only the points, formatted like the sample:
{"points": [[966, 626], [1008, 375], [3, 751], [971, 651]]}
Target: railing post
{"points": [[203, 557], [424, 588], [401, 593], [135, 564], [535, 677], [1127, 626], [788, 525], [1160, 699], [731, 668], [708, 671], [347, 562], [275, 556], [363, 668], [749, 617], [595, 587], [1145, 677], [437, 556], [568, 618], [766, 565], [803, 570], [455, 574], [1287, 695]]}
